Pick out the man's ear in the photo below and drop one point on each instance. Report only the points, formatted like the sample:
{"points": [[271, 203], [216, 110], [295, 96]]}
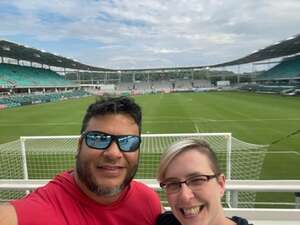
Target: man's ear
{"points": [[221, 181]]}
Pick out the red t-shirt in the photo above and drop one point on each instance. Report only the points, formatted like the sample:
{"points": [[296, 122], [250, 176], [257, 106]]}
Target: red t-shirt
{"points": [[61, 202]]}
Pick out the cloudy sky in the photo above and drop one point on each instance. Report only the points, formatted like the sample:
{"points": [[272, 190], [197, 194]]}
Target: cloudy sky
{"points": [[129, 34]]}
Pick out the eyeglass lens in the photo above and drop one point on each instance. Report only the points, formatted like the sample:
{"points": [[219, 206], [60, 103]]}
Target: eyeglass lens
{"points": [[99, 140]]}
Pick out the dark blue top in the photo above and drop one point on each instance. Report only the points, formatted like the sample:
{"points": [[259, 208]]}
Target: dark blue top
{"points": [[167, 218]]}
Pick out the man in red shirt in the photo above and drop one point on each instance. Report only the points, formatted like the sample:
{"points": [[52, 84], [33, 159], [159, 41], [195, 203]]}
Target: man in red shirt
{"points": [[100, 190]]}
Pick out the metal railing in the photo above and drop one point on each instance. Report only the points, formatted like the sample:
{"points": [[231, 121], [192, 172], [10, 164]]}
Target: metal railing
{"points": [[234, 187]]}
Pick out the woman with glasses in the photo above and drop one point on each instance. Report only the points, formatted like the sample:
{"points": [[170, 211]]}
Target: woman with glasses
{"points": [[194, 185]]}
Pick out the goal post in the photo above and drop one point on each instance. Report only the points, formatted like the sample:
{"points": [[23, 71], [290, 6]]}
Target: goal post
{"points": [[153, 145], [42, 157]]}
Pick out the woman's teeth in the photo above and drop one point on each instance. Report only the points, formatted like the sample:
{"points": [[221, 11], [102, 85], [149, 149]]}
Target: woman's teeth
{"points": [[191, 211]]}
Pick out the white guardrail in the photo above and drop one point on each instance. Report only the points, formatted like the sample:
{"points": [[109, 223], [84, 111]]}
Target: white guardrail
{"points": [[232, 186], [257, 216]]}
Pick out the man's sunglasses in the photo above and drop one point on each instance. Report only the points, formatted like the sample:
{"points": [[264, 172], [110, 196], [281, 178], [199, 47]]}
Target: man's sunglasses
{"points": [[102, 141]]}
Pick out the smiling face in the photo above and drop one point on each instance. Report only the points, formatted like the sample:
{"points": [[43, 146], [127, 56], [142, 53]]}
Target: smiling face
{"points": [[200, 207], [106, 172]]}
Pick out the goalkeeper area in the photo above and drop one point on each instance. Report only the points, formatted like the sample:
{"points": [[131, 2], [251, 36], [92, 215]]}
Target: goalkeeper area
{"points": [[264, 144]]}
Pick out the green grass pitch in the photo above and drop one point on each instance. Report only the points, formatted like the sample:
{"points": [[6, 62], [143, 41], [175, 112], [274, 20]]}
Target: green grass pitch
{"points": [[253, 118]]}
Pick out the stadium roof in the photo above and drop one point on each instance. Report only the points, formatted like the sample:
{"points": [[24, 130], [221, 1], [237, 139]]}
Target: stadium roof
{"points": [[286, 47], [20, 52]]}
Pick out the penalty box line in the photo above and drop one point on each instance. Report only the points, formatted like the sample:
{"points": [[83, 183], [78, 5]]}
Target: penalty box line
{"points": [[284, 152]]}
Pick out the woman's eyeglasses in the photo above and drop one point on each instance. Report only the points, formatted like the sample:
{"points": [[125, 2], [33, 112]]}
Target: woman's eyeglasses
{"points": [[194, 183]]}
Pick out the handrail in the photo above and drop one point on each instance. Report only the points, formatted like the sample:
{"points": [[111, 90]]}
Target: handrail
{"points": [[231, 185], [263, 185], [258, 216]]}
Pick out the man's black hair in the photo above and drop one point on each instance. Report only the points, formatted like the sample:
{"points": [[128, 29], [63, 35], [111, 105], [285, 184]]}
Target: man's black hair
{"points": [[113, 105]]}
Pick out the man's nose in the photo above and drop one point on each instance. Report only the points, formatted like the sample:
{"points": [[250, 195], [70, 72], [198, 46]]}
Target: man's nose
{"points": [[113, 150]]}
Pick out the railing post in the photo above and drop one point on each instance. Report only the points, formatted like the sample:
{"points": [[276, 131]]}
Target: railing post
{"points": [[297, 200], [228, 162], [234, 199]]}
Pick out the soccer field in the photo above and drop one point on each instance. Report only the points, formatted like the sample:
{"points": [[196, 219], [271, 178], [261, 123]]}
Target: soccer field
{"points": [[253, 118]]}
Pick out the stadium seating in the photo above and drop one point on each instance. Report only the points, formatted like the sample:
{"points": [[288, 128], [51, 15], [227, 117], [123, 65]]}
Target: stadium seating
{"points": [[143, 86], [161, 85], [268, 88], [288, 68], [126, 86], [24, 76], [18, 100], [183, 84], [201, 84]]}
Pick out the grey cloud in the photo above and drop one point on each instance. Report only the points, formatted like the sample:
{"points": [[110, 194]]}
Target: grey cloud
{"points": [[175, 32]]}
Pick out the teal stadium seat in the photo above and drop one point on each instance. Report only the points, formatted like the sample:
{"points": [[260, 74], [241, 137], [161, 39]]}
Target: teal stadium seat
{"points": [[288, 68], [14, 101], [24, 76]]}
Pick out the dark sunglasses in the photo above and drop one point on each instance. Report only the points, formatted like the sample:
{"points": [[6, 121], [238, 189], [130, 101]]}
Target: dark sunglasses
{"points": [[102, 141]]}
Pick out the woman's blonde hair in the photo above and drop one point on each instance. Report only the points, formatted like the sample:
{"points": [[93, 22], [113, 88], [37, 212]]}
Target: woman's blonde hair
{"points": [[184, 145]]}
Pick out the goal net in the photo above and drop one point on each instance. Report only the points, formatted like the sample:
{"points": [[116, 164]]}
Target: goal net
{"points": [[42, 157]]}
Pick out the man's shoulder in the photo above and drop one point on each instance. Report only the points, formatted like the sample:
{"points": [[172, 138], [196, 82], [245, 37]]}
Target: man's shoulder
{"points": [[48, 194], [140, 191], [140, 186], [64, 175], [147, 200], [49, 202]]}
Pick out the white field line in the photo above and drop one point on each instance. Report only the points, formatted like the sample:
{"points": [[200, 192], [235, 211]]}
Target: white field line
{"points": [[272, 152], [284, 152], [180, 118]]}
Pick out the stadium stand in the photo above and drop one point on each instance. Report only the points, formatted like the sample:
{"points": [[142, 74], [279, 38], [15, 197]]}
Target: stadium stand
{"points": [[162, 85], [201, 84], [146, 86], [165, 85], [183, 84], [24, 76], [260, 88], [19, 100], [126, 86], [289, 68], [284, 78]]}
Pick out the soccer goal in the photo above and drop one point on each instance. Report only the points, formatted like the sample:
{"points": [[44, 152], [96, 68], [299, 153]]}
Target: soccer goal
{"points": [[42, 157]]}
